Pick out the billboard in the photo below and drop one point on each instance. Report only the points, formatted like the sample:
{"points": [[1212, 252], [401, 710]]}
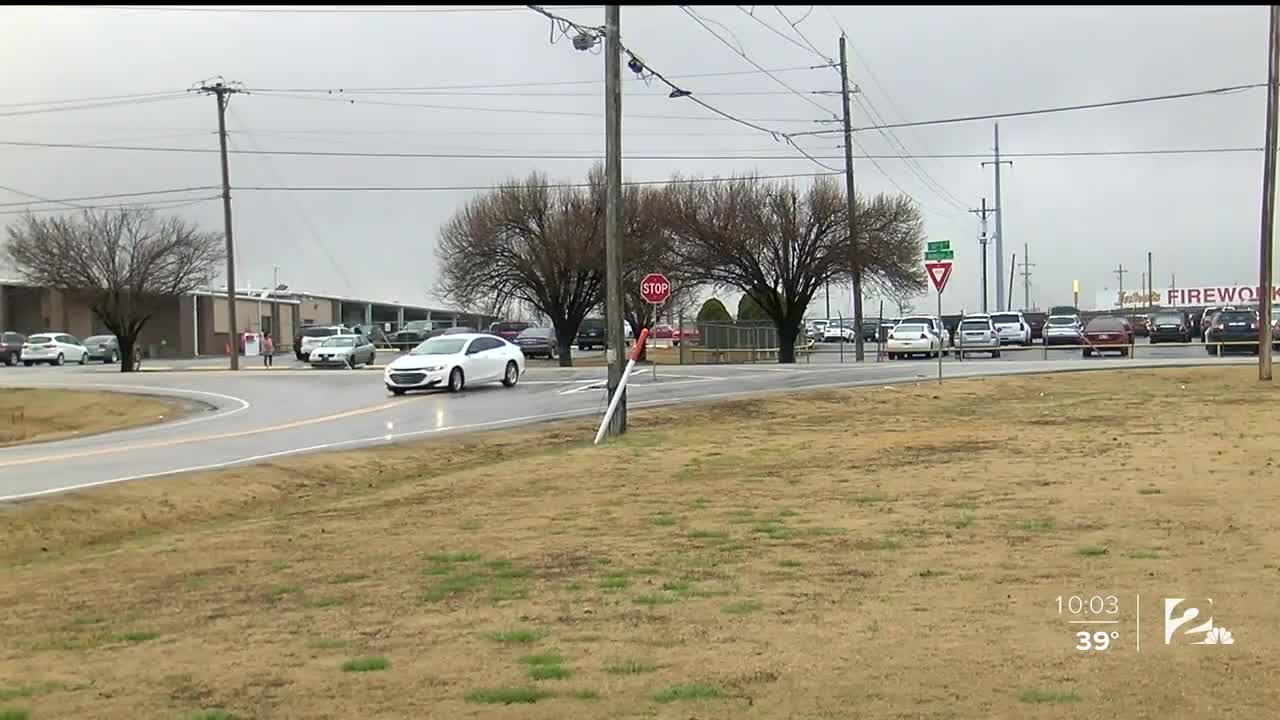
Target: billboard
{"points": [[1108, 299]]}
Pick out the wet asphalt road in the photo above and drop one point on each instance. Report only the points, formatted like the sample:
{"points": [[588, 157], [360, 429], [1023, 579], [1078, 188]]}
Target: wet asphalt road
{"points": [[254, 415]]}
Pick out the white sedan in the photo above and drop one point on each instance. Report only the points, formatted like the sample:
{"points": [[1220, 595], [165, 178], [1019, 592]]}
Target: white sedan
{"points": [[455, 361], [913, 339], [53, 348]]}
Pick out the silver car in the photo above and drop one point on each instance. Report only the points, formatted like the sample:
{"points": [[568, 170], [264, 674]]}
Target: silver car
{"points": [[343, 351], [978, 334], [1063, 330]]}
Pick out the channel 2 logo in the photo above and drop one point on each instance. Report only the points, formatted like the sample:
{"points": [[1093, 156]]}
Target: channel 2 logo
{"points": [[1207, 632]]}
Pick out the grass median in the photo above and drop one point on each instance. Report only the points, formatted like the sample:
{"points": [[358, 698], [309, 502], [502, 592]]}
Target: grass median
{"points": [[31, 415], [874, 553]]}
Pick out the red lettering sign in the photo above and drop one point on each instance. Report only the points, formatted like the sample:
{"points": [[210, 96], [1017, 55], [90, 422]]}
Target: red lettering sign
{"points": [[1193, 296], [1251, 292], [655, 288]]}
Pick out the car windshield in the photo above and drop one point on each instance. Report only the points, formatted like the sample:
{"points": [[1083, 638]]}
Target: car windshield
{"points": [[1235, 316], [99, 339], [340, 341], [920, 321], [440, 346], [535, 333], [1062, 321], [39, 339], [975, 325], [1168, 319], [1004, 318], [909, 328], [318, 332], [1106, 325]]}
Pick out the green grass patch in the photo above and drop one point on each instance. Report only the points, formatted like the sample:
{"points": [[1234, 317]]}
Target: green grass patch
{"points": [[14, 715], [450, 558], [1043, 524], [326, 644], [584, 694], [1038, 696], [211, 715], [548, 658], [929, 573], [506, 570], [629, 666], [284, 591], [742, 607], [790, 563], [549, 672], [614, 581], [365, 664], [322, 602], [452, 585], [965, 520], [873, 627], [665, 520], [506, 695], [868, 498], [1091, 550], [504, 590], [84, 620], [1145, 554], [708, 534], [136, 636], [677, 693], [279, 566], [655, 599], [774, 531], [1149, 491], [518, 636], [348, 578], [886, 543]]}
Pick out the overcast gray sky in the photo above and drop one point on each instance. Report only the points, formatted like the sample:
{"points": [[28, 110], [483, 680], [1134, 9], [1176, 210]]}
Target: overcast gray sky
{"points": [[1079, 216]]}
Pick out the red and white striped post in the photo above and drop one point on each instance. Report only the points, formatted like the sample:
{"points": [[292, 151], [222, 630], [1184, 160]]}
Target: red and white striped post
{"points": [[622, 384]]}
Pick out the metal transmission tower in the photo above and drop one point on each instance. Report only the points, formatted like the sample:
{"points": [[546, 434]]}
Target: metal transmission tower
{"points": [[1026, 278], [983, 239], [222, 92], [997, 162]]}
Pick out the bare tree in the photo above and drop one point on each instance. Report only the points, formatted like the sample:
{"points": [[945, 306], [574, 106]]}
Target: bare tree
{"points": [[123, 263], [780, 245], [540, 245]]}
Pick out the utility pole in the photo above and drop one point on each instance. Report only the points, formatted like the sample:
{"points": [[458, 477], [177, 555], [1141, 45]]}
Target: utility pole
{"points": [[828, 300], [1026, 277], [1151, 281], [1119, 272], [852, 199], [222, 92], [1013, 265], [1265, 254], [613, 215], [1000, 301], [983, 239]]}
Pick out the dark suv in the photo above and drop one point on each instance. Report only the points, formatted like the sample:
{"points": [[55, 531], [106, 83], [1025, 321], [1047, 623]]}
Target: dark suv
{"points": [[1170, 326], [412, 334], [1036, 321], [1232, 330], [590, 334], [11, 347]]}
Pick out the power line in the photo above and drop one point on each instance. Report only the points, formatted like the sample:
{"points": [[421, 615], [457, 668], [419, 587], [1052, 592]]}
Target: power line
{"points": [[112, 196], [290, 10], [93, 106], [502, 155], [696, 18], [97, 98], [533, 83], [751, 14], [1044, 111], [551, 186], [796, 27], [158, 205], [522, 111]]}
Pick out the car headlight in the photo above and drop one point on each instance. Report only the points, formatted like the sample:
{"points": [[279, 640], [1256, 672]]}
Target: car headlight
{"points": [[434, 368]]}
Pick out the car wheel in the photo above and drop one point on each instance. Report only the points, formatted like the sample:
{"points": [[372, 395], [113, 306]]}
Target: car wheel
{"points": [[1086, 353], [61, 360], [456, 380], [396, 391], [1209, 350], [84, 358], [512, 374], [1124, 353], [10, 360], [350, 362], [28, 363], [111, 359], [995, 354]]}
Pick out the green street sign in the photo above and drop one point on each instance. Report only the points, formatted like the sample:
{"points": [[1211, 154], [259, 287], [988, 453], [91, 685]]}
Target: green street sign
{"points": [[940, 255], [939, 246]]}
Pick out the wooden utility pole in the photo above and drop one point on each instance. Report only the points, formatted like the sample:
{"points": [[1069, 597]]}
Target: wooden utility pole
{"points": [[616, 341], [222, 92], [852, 199], [1268, 199], [983, 239]]}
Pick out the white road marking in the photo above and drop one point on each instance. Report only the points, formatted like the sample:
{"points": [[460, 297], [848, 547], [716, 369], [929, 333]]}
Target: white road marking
{"points": [[244, 404]]}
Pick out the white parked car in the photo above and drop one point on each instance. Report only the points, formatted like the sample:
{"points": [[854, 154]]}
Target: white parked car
{"points": [[936, 326], [1012, 327], [1063, 330], [455, 361], [907, 339], [54, 348], [834, 333], [343, 351], [978, 334]]}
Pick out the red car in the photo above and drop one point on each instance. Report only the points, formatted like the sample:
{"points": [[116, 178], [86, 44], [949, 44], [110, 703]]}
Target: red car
{"points": [[690, 333], [662, 332], [509, 330], [1108, 334]]}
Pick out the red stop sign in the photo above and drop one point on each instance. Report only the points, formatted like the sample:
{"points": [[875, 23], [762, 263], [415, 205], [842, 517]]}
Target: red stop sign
{"points": [[655, 288]]}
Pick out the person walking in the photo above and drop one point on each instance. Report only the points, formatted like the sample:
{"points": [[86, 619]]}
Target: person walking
{"points": [[268, 349]]}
